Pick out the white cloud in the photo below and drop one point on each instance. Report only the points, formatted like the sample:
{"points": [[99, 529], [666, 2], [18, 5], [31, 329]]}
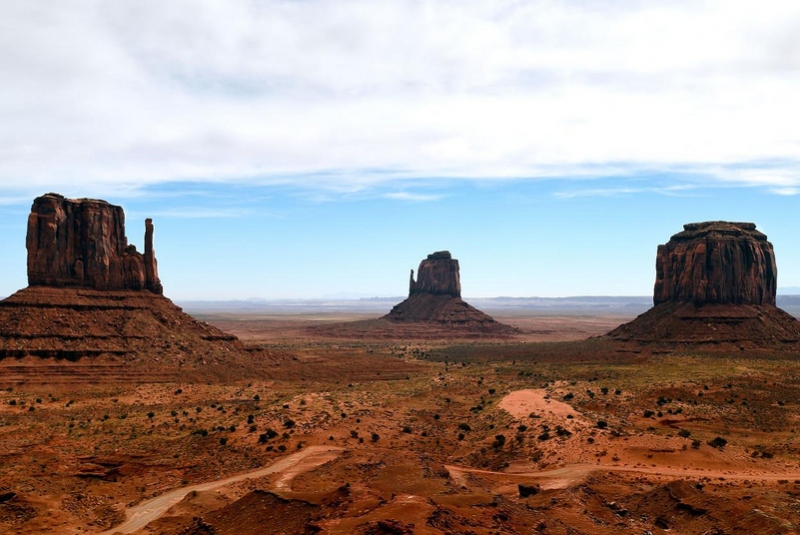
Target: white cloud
{"points": [[347, 93], [409, 196]]}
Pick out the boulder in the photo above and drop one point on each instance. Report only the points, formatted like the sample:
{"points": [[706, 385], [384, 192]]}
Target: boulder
{"points": [[82, 243]]}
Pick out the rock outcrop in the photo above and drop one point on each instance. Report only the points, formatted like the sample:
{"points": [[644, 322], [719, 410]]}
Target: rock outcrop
{"points": [[435, 297], [82, 243], [93, 298], [715, 290], [716, 262], [437, 275], [433, 310]]}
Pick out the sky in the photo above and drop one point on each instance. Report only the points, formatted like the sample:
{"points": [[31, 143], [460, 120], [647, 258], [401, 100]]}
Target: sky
{"points": [[318, 149]]}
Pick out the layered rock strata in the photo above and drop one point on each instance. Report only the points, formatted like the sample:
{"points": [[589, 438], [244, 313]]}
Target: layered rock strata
{"points": [[82, 243], [93, 298], [716, 262], [715, 289]]}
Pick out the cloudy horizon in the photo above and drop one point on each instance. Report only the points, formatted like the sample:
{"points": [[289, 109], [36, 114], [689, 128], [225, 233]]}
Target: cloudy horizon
{"points": [[336, 122]]}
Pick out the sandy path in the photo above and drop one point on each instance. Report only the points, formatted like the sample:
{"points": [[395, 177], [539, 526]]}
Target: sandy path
{"points": [[144, 513], [521, 403], [568, 475]]}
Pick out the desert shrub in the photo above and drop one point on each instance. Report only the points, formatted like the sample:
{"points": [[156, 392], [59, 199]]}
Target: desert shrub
{"points": [[492, 391], [223, 441], [461, 436], [178, 391], [604, 390], [406, 429], [256, 398], [250, 418], [544, 436], [685, 433], [522, 428], [354, 433], [151, 415], [718, 443], [649, 414], [436, 416], [464, 427], [560, 431], [499, 441], [375, 437], [568, 396], [289, 423], [602, 424]]}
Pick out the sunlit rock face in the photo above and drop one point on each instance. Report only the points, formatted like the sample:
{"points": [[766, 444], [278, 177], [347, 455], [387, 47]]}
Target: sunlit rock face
{"points": [[82, 243]]}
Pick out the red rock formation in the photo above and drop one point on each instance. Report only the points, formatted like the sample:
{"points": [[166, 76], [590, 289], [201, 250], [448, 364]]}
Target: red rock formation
{"points": [[435, 297], [82, 243], [716, 262], [715, 289], [437, 275]]}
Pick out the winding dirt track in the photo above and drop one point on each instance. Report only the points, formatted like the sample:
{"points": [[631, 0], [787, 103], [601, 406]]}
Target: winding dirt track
{"points": [[568, 475], [144, 513]]}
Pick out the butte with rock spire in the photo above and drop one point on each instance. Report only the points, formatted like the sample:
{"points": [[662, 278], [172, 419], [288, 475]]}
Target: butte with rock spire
{"points": [[92, 297]]}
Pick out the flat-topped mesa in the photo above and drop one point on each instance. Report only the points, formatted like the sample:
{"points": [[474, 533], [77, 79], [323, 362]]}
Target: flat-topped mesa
{"points": [[437, 275], [82, 243], [716, 262]]}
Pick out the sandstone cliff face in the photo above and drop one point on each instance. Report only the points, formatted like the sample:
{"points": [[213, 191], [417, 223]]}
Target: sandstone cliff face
{"points": [[716, 262], [437, 275], [82, 243]]}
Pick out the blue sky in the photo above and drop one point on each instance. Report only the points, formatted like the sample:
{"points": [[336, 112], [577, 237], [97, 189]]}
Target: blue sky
{"points": [[292, 149]]}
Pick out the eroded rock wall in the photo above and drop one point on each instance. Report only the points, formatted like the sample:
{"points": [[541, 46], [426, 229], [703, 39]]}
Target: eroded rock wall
{"points": [[437, 275], [82, 243], [716, 262]]}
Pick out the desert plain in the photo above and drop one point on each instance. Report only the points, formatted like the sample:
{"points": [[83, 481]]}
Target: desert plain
{"points": [[549, 430]]}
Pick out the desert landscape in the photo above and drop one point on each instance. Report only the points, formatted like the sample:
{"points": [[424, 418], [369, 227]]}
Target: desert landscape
{"points": [[120, 413]]}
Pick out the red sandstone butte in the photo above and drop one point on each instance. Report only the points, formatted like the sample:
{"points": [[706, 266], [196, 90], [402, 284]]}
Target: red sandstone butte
{"points": [[715, 290], [82, 243], [716, 262]]}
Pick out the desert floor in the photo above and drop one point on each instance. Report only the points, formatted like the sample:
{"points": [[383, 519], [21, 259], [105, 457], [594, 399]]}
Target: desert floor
{"points": [[543, 432]]}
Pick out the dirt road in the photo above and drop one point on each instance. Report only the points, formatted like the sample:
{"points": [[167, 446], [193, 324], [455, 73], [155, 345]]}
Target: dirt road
{"points": [[563, 477], [144, 513]]}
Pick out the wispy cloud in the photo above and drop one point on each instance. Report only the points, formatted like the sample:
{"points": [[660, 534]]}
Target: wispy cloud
{"points": [[199, 213], [120, 96], [409, 196]]}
